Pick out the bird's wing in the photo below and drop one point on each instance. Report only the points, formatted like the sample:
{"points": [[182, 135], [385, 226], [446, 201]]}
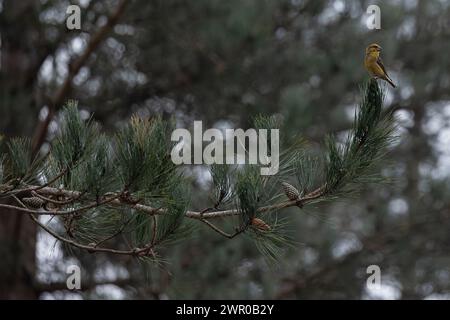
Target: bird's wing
{"points": [[380, 63]]}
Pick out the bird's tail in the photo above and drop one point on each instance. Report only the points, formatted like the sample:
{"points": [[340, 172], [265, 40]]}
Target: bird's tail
{"points": [[390, 81]]}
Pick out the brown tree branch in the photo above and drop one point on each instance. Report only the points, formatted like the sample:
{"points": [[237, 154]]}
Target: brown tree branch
{"points": [[199, 215], [59, 213], [74, 68]]}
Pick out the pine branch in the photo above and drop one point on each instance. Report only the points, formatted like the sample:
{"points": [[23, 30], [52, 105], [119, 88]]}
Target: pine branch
{"points": [[197, 215], [153, 201]]}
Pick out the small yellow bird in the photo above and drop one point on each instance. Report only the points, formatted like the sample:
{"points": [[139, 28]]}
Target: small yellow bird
{"points": [[374, 64]]}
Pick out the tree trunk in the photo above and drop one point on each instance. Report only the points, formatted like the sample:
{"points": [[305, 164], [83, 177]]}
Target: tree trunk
{"points": [[18, 254], [20, 63]]}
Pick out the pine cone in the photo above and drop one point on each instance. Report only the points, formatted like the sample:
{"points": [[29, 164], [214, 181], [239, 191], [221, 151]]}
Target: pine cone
{"points": [[260, 224], [33, 202], [290, 191]]}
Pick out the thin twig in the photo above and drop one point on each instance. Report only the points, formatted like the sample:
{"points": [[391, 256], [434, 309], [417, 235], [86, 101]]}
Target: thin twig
{"points": [[217, 229], [82, 246], [35, 188], [42, 212], [57, 202]]}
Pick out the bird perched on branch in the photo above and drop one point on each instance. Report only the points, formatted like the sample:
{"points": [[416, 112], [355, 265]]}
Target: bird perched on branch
{"points": [[374, 65]]}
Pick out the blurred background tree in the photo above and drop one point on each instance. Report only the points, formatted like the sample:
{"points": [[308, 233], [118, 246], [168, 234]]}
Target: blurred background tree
{"points": [[223, 62]]}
